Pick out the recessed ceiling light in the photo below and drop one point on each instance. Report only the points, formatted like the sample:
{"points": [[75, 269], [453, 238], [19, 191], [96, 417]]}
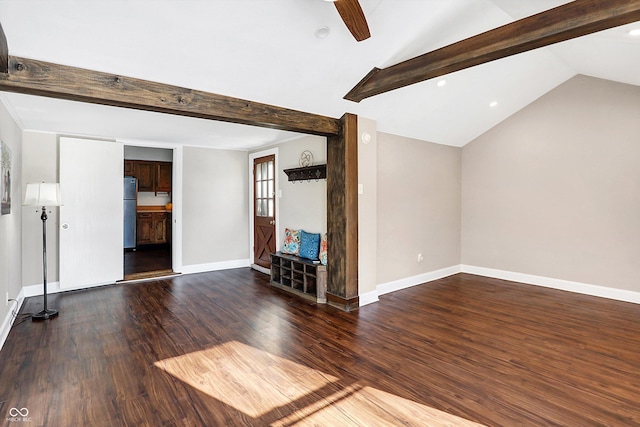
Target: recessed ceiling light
{"points": [[635, 32], [442, 83], [322, 32], [493, 104]]}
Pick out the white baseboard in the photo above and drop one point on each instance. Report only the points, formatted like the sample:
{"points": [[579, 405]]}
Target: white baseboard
{"points": [[408, 282], [368, 298], [215, 266], [564, 285], [9, 319], [261, 269], [529, 279], [396, 285], [36, 290], [54, 287]]}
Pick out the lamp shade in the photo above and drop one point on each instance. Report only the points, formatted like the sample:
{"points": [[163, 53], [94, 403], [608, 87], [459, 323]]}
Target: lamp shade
{"points": [[42, 194]]}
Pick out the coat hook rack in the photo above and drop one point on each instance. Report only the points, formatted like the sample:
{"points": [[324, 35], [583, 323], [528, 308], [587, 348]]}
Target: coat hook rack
{"points": [[308, 173]]}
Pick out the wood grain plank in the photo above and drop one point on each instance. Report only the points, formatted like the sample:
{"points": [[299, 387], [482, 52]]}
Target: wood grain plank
{"points": [[463, 350], [42, 78], [342, 215], [574, 19]]}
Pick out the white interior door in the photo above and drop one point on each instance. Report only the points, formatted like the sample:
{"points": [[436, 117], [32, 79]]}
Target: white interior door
{"points": [[91, 220]]}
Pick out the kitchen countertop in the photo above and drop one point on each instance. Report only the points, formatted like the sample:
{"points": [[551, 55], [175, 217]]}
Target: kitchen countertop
{"points": [[143, 209]]}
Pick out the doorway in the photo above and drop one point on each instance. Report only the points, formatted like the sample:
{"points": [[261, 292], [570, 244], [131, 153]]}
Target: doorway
{"points": [[264, 210], [264, 207], [148, 248]]}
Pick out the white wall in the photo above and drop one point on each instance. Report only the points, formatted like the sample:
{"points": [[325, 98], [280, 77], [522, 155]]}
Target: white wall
{"points": [[554, 191], [11, 224], [215, 207], [367, 206], [303, 205], [418, 207]]}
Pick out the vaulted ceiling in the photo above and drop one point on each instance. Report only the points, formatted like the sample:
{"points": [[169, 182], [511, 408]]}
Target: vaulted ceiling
{"points": [[267, 51]]}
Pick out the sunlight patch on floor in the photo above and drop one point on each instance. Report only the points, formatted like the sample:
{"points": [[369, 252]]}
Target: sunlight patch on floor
{"points": [[250, 380], [364, 406], [285, 393]]}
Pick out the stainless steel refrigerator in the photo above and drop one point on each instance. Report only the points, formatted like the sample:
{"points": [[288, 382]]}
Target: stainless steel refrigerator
{"points": [[130, 207]]}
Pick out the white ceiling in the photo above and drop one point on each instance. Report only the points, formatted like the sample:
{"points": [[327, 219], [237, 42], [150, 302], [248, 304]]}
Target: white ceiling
{"points": [[266, 51]]}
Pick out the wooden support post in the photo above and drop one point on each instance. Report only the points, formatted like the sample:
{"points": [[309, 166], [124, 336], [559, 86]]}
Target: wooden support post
{"points": [[342, 215]]}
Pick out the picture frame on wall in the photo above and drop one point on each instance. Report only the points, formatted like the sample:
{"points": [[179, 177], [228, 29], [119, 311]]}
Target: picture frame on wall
{"points": [[5, 179]]}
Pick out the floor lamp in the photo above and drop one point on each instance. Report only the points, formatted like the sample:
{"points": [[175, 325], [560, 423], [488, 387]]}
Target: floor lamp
{"points": [[43, 194]]}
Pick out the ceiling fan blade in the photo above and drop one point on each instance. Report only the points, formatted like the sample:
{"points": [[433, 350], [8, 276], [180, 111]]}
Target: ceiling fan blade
{"points": [[354, 19]]}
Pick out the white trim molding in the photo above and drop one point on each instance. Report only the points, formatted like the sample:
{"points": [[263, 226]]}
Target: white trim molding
{"points": [[407, 282], [548, 282], [368, 298], [261, 269], [528, 279], [215, 266], [54, 288], [10, 318]]}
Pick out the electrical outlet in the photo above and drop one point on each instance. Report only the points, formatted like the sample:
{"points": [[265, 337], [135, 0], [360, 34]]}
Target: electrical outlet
{"points": [[420, 258]]}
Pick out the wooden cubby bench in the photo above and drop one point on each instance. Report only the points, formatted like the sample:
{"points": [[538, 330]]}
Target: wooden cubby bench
{"points": [[300, 276]]}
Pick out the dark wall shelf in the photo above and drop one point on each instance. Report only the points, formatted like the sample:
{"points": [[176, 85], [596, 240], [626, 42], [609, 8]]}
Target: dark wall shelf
{"points": [[307, 173]]}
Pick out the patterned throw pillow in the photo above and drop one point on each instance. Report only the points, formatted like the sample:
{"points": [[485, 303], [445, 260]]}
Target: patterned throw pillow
{"points": [[309, 245], [323, 249], [291, 244]]}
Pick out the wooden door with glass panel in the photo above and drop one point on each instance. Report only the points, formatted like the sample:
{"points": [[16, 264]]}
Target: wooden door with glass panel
{"points": [[264, 210]]}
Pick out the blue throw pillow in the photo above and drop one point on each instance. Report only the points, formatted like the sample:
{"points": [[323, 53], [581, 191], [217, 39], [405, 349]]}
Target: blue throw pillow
{"points": [[309, 245]]}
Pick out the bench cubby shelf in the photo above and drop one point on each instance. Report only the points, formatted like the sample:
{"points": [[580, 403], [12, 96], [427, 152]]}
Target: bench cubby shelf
{"points": [[299, 276]]}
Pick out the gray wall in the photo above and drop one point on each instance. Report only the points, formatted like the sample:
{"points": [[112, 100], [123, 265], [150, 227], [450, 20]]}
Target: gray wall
{"points": [[418, 207], [367, 207], [303, 205], [148, 153], [215, 204], [40, 163], [11, 224], [554, 191]]}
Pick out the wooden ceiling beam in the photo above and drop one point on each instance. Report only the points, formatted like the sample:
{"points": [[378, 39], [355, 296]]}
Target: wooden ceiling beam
{"points": [[575, 19], [33, 77]]}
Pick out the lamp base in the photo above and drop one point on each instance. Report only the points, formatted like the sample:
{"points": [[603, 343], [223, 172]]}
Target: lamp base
{"points": [[44, 315]]}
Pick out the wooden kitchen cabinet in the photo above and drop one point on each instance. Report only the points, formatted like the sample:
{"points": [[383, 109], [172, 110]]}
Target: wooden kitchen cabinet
{"points": [[154, 177], [152, 228], [160, 227], [163, 177], [129, 168], [146, 174]]}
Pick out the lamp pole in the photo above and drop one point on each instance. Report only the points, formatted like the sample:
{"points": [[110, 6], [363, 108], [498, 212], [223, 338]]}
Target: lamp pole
{"points": [[46, 313]]}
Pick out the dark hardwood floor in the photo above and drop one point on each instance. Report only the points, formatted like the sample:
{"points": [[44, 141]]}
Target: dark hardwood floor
{"points": [[147, 258], [224, 349]]}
